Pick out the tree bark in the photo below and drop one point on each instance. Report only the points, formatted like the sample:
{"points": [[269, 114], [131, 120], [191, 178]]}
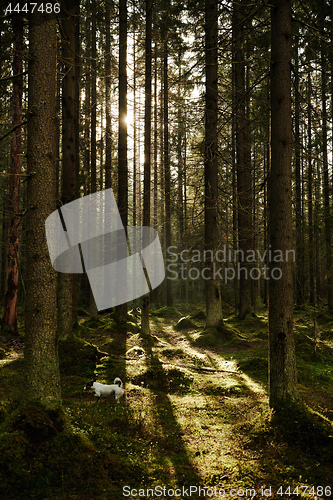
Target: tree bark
{"points": [[298, 193], [244, 187], [327, 187], [212, 284], [121, 310], [93, 141], [310, 197], [147, 151], [41, 358], [282, 362], [9, 320], [166, 158], [69, 157], [108, 124]]}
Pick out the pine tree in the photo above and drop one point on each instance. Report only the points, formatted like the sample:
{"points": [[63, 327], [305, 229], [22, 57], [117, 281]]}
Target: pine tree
{"points": [[213, 295], [282, 360], [42, 368], [9, 320]]}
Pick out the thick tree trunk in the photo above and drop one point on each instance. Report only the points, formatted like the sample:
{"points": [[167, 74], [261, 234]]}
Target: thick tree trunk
{"points": [[9, 320], [42, 368], [213, 296], [282, 361]]}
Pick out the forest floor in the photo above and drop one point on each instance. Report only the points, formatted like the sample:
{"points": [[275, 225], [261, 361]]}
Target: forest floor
{"points": [[196, 423]]}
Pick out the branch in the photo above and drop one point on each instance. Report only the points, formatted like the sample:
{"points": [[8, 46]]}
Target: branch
{"points": [[13, 129], [11, 77]]}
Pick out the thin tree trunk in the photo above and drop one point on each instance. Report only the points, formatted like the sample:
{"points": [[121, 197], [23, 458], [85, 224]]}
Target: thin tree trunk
{"points": [[93, 151], [108, 131], [9, 320], [77, 60], [121, 310], [244, 187], [136, 178], [298, 207], [155, 146], [310, 198], [212, 288], [167, 177], [69, 158], [282, 360], [147, 150], [327, 215]]}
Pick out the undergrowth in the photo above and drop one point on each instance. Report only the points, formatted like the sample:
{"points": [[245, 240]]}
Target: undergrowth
{"points": [[196, 412]]}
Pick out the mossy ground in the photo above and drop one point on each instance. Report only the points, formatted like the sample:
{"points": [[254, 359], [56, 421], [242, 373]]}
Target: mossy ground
{"points": [[196, 413]]}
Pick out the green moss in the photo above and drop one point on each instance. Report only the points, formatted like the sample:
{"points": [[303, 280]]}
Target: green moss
{"points": [[184, 324], [199, 315], [207, 338], [166, 312], [310, 431], [226, 389], [253, 364]]}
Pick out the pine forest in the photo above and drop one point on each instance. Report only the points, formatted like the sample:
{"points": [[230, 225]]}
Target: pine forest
{"points": [[166, 265]]}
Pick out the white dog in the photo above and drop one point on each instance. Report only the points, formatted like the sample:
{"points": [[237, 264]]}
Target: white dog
{"points": [[104, 391]]}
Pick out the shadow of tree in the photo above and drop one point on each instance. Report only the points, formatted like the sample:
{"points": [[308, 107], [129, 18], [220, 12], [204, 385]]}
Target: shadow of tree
{"points": [[171, 446]]}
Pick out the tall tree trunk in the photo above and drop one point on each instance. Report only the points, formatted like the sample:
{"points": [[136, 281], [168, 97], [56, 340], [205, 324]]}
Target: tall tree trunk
{"points": [[298, 199], [212, 288], [310, 197], [136, 177], [180, 167], [166, 158], [317, 230], [108, 131], [69, 156], [41, 358], [9, 320], [155, 142], [121, 310], [77, 110], [244, 187], [282, 361], [93, 145], [147, 156], [327, 187]]}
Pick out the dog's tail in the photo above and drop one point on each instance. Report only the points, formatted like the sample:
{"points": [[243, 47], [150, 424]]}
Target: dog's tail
{"points": [[118, 382]]}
